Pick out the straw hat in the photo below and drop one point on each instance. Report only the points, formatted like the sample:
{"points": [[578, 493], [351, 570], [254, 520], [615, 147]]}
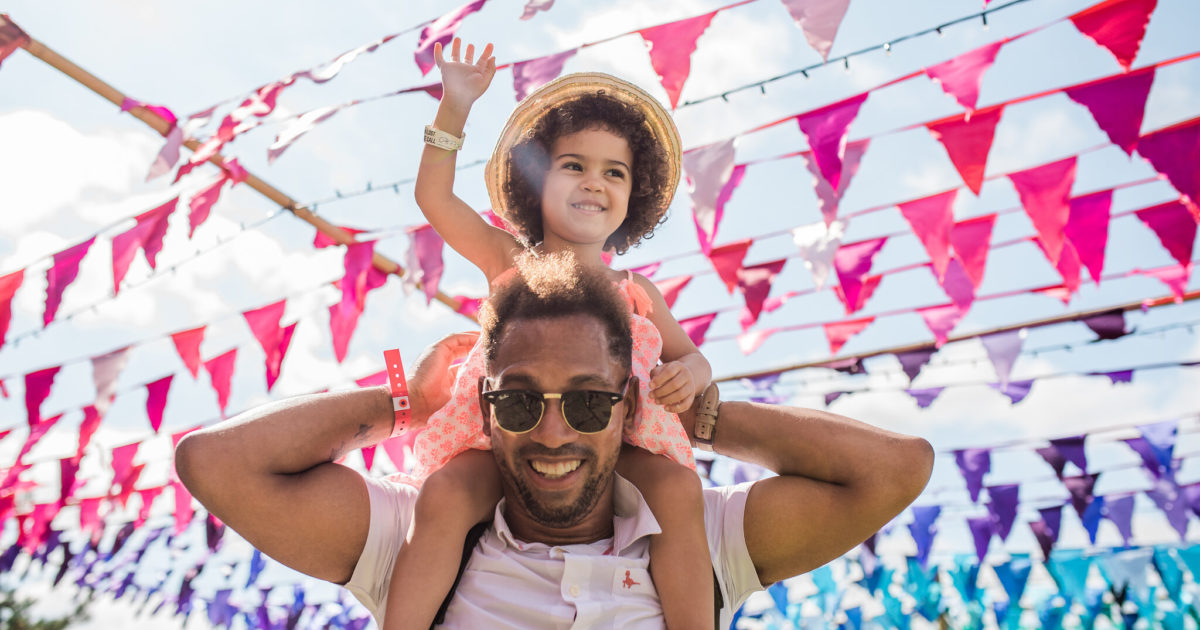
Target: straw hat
{"points": [[565, 89]]}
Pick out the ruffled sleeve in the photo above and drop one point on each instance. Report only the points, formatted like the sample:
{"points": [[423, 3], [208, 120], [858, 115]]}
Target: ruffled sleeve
{"points": [[639, 300]]}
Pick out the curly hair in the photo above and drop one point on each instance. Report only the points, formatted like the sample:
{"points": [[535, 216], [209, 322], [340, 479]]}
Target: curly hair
{"points": [[555, 285], [649, 198]]}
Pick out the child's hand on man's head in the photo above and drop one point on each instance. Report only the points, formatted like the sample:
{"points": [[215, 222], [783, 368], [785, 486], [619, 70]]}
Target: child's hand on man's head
{"points": [[672, 386]]}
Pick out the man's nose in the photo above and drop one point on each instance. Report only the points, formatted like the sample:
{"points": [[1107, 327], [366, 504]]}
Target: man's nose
{"points": [[553, 430]]}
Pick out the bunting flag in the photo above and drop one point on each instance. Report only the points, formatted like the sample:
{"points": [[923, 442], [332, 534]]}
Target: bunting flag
{"points": [[941, 320], [972, 239], [826, 130], [961, 76], [755, 284], [1174, 227], [37, 389], [147, 236], [1108, 325], [820, 20], [468, 306], [105, 370], [957, 284], [297, 127], [201, 203], [424, 261], [11, 38], [727, 261], [1117, 104], [1063, 450], [1174, 152], [532, 7], [87, 428], [1046, 528], [1119, 510], [912, 361], [1003, 348], [1044, 192], [852, 263], [1087, 230], [156, 400], [441, 31], [923, 529], [828, 197], [697, 327], [864, 294], [220, 371], [8, 287], [925, 397], [931, 219], [187, 344], [264, 325], [1117, 25], [1080, 488], [670, 288], [751, 340], [1002, 503], [838, 333], [711, 181], [1174, 276], [60, 276], [1016, 391], [818, 242], [968, 141], [534, 73], [982, 529], [343, 316], [973, 463], [671, 46]]}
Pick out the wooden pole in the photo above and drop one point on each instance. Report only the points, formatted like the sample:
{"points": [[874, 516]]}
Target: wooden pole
{"points": [[157, 123]]}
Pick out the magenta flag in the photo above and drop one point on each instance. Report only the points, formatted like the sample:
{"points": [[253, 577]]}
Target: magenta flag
{"points": [[156, 400], [1069, 266], [441, 31], [201, 203], [697, 327], [468, 306], [220, 370], [752, 340], [124, 248], [425, 258], [852, 263], [37, 388], [184, 512], [826, 130], [533, 6], [8, 287], [1174, 276], [357, 261], [534, 73], [941, 320], [1058, 292], [1118, 25], [672, 287], [87, 428], [1175, 152], [1117, 104], [709, 169], [122, 462], [818, 242], [147, 495], [755, 283], [838, 333], [819, 20], [105, 370], [1044, 192], [89, 516], [972, 239], [13, 38], [168, 155], [343, 319], [322, 240], [671, 46], [264, 324], [931, 219], [865, 291], [968, 140], [159, 110], [275, 361], [828, 198], [1087, 230], [61, 275], [1174, 226], [68, 468], [187, 344], [961, 76], [296, 128], [156, 222], [727, 261]]}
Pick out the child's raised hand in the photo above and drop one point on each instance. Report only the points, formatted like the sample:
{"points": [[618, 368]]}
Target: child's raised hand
{"points": [[672, 386], [464, 79]]}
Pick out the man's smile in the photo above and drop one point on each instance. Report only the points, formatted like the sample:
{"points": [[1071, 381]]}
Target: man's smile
{"points": [[554, 469]]}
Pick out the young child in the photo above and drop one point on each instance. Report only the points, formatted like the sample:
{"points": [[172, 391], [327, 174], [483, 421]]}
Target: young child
{"points": [[587, 164]]}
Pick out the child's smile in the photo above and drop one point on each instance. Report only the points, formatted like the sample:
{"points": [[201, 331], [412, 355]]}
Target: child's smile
{"points": [[585, 197]]}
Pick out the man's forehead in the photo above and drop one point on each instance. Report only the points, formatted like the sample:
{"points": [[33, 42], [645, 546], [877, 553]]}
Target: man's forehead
{"points": [[570, 350]]}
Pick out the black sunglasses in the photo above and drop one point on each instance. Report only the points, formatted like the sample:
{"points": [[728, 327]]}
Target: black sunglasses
{"points": [[586, 411]]}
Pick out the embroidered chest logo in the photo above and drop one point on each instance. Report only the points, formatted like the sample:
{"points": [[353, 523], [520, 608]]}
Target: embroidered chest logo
{"points": [[628, 582]]}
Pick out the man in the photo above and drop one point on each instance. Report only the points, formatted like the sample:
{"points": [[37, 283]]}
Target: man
{"points": [[567, 547]]}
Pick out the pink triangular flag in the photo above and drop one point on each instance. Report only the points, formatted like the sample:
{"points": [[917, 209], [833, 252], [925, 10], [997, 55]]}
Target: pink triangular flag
{"points": [[296, 128], [441, 31], [829, 198], [87, 428], [220, 370], [1118, 25], [671, 46], [671, 288], [8, 287], [148, 495], [755, 283], [534, 73], [425, 260], [1058, 292], [819, 19], [168, 155], [972, 239], [727, 260], [818, 243], [968, 140], [852, 263], [1069, 266], [709, 168], [378, 378], [37, 388], [826, 130], [1174, 276], [1045, 191], [343, 319], [1117, 104], [187, 344], [838, 333], [323, 240], [264, 325], [394, 447], [368, 455], [1087, 230], [201, 204], [864, 293], [61, 275], [696, 327], [275, 361], [122, 462], [957, 284], [533, 6], [155, 222], [931, 219], [356, 262], [1174, 226], [124, 248], [941, 320], [468, 306], [90, 521], [184, 512], [106, 368], [156, 400], [1175, 152], [751, 340], [961, 76]]}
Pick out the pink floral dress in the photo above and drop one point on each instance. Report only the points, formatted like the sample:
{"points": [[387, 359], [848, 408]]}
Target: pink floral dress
{"points": [[457, 426]]}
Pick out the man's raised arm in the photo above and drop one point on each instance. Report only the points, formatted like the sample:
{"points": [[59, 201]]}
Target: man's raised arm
{"points": [[839, 481], [269, 473]]}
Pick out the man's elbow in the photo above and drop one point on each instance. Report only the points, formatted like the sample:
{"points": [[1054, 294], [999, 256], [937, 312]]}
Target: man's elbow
{"points": [[191, 463], [913, 468]]}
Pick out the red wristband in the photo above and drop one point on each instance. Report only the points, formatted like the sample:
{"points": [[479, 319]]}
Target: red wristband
{"points": [[399, 388]]}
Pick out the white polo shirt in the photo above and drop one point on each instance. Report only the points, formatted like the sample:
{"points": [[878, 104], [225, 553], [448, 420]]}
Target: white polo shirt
{"points": [[514, 584]]}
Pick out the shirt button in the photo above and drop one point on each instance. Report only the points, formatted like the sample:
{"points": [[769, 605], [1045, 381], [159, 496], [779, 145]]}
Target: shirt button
{"points": [[574, 590]]}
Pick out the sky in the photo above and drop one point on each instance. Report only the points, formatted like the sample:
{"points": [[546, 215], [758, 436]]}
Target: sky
{"points": [[72, 165]]}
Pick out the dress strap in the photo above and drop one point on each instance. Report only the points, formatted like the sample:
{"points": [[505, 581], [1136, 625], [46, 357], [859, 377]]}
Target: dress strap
{"points": [[639, 300]]}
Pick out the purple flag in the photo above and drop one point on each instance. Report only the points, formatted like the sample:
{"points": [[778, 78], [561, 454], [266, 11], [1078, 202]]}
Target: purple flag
{"points": [[1172, 502], [832, 396], [1003, 348], [1156, 447], [982, 528], [1063, 450], [925, 397], [923, 529], [1119, 510], [532, 74], [1080, 488], [1002, 504], [1015, 390], [1108, 325], [441, 31], [1117, 104], [1119, 376], [912, 361], [1046, 529], [974, 464]]}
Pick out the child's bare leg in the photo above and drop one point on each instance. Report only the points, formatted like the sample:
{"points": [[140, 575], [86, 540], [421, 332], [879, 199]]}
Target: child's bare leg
{"points": [[679, 558], [452, 500]]}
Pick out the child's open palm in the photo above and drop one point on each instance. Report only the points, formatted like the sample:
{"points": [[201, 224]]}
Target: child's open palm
{"points": [[464, 80]]}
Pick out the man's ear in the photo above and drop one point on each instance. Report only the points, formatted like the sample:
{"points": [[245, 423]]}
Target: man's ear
{"points": [[632, 400], [485, 408]]}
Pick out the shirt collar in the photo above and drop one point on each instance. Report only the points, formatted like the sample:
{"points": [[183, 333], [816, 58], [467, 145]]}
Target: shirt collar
{"points": [[632, 519]]}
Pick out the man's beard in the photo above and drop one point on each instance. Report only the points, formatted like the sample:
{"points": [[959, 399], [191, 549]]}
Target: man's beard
{"points": [[563, 515]]}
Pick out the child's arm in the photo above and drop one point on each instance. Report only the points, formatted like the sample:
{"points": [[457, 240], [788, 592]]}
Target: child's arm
{"points": [[684, 371], [487, 247]]}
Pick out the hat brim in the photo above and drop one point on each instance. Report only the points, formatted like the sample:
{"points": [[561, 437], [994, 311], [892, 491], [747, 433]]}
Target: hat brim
{"points": [[565, 89]]}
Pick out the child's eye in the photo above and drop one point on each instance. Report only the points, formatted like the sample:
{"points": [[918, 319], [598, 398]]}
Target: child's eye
{"points": [[616, 172], [572, 166]]}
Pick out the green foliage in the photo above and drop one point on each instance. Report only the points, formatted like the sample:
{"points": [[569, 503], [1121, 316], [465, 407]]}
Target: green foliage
{"points": [[14, 614]]}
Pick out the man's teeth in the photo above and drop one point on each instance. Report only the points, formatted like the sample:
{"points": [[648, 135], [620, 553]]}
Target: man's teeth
{"points": [[554, 469]]}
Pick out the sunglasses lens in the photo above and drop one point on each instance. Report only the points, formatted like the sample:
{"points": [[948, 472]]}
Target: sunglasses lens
{"points": [[517, 411], [587, 412]]}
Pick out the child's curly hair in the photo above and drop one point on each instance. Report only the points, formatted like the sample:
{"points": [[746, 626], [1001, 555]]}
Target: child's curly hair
{"points": [[648, 199]]}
